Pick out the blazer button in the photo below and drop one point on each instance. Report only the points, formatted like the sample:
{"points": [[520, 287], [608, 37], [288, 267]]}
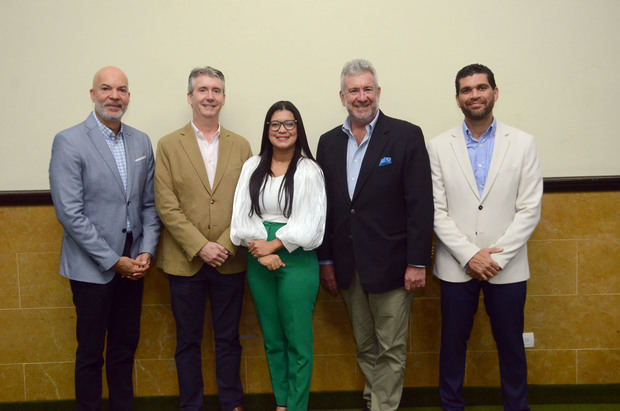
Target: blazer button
{"points": [[352, 211], [124, 230], [212, 201], [480, 207]]}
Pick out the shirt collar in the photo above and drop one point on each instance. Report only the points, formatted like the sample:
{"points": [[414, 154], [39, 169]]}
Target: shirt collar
{"points": [[370, 127], [201, 136], [489, 134], [107, 132]]}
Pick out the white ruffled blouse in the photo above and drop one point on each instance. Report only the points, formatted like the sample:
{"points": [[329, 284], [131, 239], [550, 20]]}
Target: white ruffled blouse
{"points": [[305, 226]]}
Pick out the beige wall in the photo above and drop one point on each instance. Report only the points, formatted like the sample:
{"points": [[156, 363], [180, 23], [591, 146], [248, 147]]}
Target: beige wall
{"points": [[556, 61], [573, 307]]}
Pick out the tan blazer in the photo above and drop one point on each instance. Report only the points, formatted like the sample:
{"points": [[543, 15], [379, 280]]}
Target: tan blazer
{"points": [[191, 211], [504, 216]]}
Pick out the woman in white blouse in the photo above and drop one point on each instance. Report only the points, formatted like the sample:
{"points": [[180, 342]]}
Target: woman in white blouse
{"points": [[279, 214]]}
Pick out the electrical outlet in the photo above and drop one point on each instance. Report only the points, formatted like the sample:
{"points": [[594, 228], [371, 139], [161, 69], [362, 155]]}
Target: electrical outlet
{"points": [[528, 340]]}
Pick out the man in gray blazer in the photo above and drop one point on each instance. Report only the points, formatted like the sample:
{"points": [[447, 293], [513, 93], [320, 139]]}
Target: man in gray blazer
{"points": [[101, 181]]}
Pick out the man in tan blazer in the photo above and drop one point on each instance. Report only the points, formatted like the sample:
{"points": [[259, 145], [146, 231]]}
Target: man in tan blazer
{"points": [[487, 190], [196, 174]]}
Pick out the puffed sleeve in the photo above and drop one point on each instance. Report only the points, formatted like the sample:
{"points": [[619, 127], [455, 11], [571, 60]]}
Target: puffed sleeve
{"points": [[306, 225], [244, 228]]}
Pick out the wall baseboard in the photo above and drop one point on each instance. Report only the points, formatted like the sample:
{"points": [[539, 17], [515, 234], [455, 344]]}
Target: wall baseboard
{"points": [[412, 397]]}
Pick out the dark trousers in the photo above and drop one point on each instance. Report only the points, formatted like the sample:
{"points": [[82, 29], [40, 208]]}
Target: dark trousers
{"points": [[504, 305], [188, 296], [113, 308]]}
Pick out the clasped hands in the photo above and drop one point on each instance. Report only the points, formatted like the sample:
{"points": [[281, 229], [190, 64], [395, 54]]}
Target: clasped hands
{"points": [[213, 254], [481, 266], [264, 250], [133, 268]]}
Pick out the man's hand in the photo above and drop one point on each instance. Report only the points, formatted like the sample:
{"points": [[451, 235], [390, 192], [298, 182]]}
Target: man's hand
{"points": [[144, 260], [261, 248], [213, 254], [415, 277], [272, 262], [481, 266], [328, 278], [129, 268]]}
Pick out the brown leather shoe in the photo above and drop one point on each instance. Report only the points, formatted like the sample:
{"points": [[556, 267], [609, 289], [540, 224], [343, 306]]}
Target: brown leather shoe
{"points": [[238, 409]]}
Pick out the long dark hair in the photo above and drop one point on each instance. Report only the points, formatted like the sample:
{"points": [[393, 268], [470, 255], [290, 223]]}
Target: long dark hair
{"points": [[259, 177]]}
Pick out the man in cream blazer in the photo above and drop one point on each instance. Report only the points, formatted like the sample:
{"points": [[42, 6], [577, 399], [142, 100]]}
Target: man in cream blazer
{"points": [[487, 190], [196, 173]]}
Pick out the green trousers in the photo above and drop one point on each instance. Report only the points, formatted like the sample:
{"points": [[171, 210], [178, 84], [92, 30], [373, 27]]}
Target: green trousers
{"points": [[284, 301]]}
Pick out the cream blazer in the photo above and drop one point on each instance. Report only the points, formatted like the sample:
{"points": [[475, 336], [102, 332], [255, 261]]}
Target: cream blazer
{"points": [[504, 216]]}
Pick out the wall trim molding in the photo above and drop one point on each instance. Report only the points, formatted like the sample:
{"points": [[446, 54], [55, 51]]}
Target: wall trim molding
{"points": [[25, 198], [581, 184], [551, 185]]}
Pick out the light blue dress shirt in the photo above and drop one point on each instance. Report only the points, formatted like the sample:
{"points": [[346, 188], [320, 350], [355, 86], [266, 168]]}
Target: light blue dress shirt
{"points": [[355, 153], [355, 157], [480, 153]]}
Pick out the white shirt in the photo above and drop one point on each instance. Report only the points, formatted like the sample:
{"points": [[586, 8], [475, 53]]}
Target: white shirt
{"points": [[306, 224], [208, 150], [272, 200]]}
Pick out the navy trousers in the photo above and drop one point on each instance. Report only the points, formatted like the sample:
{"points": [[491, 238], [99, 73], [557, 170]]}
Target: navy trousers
{"points": [[504, 305], [188, 297], [112, 308]]}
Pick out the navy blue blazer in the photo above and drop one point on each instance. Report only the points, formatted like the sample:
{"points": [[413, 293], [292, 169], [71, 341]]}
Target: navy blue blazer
{"points": [[388, 224]]}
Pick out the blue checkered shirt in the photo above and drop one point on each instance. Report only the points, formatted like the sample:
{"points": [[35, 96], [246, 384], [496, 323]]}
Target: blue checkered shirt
{"points": [[117, 147]]}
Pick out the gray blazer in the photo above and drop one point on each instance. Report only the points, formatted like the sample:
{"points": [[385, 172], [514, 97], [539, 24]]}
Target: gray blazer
{"points": [[91, 203]]}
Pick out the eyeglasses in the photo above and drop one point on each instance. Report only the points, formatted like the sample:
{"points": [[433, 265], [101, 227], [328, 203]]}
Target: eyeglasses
{"points": [[288, 124]]}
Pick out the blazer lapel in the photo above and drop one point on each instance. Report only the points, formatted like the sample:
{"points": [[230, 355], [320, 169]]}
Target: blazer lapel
{"points": [[223, 155], [130, 157], [190, 146], [98, 140], [462, 158], [336, 160], [500, 148], [377, 142]]}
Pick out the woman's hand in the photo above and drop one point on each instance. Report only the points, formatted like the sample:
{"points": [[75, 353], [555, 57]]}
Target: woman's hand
{"points": [[262, 248], [272, 262]]}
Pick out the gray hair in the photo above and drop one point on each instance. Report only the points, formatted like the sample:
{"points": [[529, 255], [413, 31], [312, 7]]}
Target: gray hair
{"points": [[204, 71], [355, 67]]}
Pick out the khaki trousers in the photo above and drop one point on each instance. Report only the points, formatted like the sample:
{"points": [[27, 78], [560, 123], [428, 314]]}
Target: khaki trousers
{"points": [[380, 327]]}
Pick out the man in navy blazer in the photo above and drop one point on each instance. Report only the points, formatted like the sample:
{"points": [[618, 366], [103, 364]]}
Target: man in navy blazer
{"points": [[379, 228], [101, 181]]}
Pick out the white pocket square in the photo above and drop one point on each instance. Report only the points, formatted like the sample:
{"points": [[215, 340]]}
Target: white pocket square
{"points": [[140, 158]]}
